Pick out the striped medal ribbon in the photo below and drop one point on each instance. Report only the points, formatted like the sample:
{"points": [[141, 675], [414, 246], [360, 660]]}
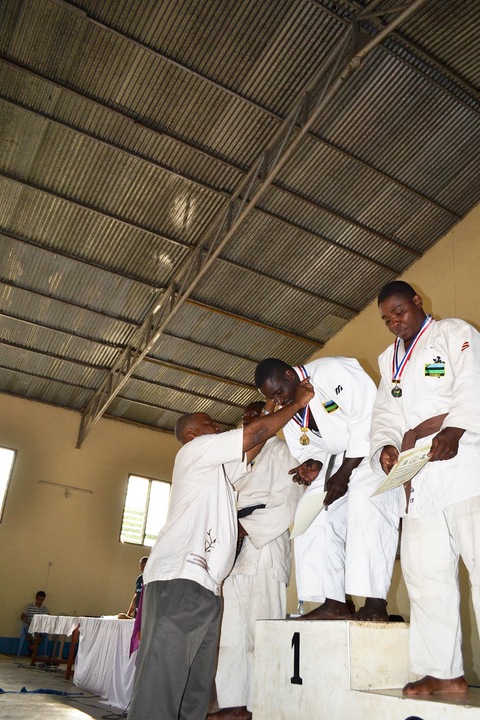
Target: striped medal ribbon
{"points": [[399, 367]]}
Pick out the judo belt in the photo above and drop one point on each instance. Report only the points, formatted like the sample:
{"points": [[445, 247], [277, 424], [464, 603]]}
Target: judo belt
{"points": [[328, 472], [427, 427], [245, 512]]}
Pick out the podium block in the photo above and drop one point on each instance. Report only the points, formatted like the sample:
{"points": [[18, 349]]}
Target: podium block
{"points": [[342, 670]]}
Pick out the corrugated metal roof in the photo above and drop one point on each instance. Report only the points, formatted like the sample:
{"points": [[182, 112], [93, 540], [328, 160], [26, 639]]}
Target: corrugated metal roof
{"points": [[126, 127]]}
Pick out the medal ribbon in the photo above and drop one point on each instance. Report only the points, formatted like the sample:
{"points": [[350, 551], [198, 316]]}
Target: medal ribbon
{"points": [[302, 419], [399, 367]]}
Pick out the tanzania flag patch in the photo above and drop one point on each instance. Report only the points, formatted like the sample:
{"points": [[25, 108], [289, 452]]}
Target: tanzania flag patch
{"points": [[330, 406], [435, 369]]}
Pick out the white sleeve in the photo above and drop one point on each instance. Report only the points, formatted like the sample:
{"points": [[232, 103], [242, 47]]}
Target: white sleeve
{"points": [[463, 343], [214, 450], [387, 421], [355, 398], [266, 524]]}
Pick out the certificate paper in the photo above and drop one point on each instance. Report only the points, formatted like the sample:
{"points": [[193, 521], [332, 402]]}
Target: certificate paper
{"points": [[309, 506], [410, 462]]}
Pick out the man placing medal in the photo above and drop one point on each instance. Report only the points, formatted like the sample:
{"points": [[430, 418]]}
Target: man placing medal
{"points": [[330, 439]]}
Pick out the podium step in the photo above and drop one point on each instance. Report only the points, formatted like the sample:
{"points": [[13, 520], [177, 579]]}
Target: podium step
{"points": [[342, 670]]}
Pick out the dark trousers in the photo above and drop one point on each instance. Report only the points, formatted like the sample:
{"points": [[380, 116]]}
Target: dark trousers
{"points": [[178, 652]]}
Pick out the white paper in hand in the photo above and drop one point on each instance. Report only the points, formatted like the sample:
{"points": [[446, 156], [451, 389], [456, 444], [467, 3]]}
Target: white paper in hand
{"points": [[410, 462], [309, 506]]}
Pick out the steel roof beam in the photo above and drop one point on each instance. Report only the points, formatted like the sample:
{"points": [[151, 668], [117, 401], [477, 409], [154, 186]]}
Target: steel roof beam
{"points": [[226, 195], [440, 68], [277, 185], [221, 379], [362, 15], [334, 72], [198, 303], [138, 378], [179, 243], [81, 387], [106, 343]]}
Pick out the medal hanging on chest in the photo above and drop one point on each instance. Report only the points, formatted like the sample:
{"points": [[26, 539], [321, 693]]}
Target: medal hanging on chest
{"points": [[304, 439], [302, 420], [396, 390], [399, 366]]}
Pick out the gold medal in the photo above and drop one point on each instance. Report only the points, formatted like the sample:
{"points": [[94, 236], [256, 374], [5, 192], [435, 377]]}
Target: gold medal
{"points": [[304, 439]]}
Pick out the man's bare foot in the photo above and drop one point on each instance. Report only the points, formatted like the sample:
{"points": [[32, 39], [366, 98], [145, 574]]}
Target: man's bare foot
{"points": [[429, 685], [231, 713], [374, 610], [330, 610]]}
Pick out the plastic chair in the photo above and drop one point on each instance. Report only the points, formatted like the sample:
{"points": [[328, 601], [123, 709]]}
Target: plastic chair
{"points": [[23, 639]]}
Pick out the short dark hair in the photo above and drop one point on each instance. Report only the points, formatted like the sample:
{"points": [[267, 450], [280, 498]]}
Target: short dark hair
{"points": [[41, 593], [397, 287], [257, 404], [269, 368]]}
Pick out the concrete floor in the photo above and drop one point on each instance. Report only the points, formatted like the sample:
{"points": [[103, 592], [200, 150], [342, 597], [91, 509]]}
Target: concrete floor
{"points": [[16, 673]]}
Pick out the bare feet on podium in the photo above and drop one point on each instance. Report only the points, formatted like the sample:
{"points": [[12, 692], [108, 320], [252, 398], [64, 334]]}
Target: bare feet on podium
{"points": [[429, 685], [231, 713], [374, 610], [330, 610]]}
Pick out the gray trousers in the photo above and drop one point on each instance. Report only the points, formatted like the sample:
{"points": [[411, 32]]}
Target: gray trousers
{"points": [[178, 652]]}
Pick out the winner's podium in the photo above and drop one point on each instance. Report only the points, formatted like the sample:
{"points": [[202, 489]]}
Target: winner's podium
{"points": [[342, 670]]}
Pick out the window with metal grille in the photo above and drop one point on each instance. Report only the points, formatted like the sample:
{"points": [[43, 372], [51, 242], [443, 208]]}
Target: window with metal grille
{"points": [[7, 458], [145, 510]]}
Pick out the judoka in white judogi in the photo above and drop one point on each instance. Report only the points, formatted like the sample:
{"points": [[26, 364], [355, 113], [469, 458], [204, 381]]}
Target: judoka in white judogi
{"points": [[344, 396], [326, 565], [441, 376], [256, 587]]}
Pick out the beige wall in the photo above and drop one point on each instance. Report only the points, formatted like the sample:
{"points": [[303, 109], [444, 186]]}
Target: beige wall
{"points": [[92, 572], [447, 279]]}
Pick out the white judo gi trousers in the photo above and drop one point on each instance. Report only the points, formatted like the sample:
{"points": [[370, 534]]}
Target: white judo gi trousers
{"points": [[431, 548], [247, 598], [351, 547]]}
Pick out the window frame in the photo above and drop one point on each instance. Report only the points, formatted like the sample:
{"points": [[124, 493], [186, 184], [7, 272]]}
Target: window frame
{"points": [[3, 500], [150, 480]]}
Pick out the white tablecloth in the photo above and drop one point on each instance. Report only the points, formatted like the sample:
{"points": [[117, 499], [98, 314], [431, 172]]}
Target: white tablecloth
{"points": [[103, 665], [53, 624]]}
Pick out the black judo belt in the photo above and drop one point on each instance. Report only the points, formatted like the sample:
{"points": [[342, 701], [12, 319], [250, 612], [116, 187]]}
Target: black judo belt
{"points": [[245, 512], [328, 472]]}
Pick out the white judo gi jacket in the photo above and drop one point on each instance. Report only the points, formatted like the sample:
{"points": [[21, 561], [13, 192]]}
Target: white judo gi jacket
{"points": [[441, 376], [325, 568], [256, 587], [342, 406], [268, 543]]}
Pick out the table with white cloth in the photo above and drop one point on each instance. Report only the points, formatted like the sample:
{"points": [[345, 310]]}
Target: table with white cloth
{"points": [[55, 625], [103, 665]]}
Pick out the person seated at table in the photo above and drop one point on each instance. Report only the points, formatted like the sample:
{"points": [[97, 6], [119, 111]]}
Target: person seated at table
{"points": [[28, 613], [132, 610]]}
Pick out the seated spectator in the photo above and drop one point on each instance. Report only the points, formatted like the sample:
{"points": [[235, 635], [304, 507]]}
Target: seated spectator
{"points": [[29, 611]]}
